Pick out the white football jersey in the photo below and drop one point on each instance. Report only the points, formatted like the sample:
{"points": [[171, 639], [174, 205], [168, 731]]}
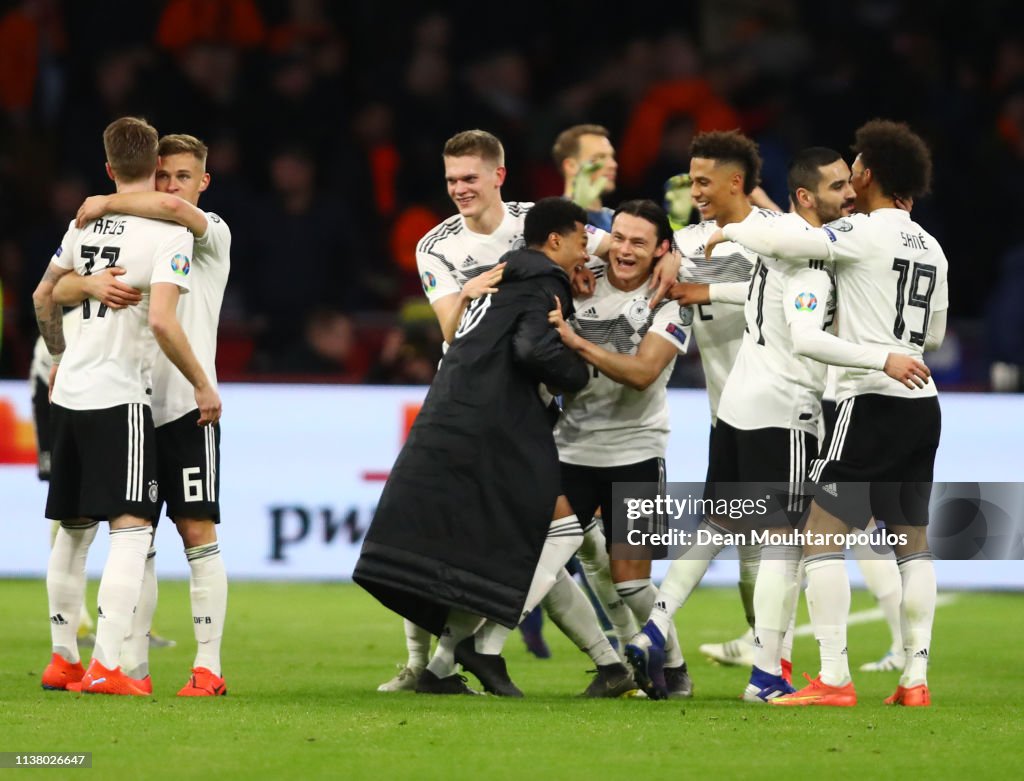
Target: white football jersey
{"points": [[451, 254], [608, 424], [770, 386], [717, 328], [891, 276], [108, 363], [199, 314]]}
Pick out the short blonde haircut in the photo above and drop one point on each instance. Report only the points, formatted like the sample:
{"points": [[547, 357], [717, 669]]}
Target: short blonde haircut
{"points": [[479, 143], [181, 144], [131, 146]]}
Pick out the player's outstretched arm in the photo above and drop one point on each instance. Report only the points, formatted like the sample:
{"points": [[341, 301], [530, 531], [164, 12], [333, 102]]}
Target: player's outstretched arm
{"points": [[154, 205], [775, 238], [73, 289], [539, 348], [163, 320], [634, 371]]}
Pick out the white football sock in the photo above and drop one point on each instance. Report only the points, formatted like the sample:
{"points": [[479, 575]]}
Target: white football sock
{"points": [[208, 590], [750, 560], [593, 556], [787, 639], [135, 652], [119, 591], [563, 540], [775, 597], [459, 626], [65, 586], [682, 578], [883, 579], [641, 596], [417, 643], [570, 610], [828, 598], [918, 611], [84, 619]]}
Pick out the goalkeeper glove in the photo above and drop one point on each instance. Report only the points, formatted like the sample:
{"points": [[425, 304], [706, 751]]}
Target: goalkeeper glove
{"points": [[587, 190], [677, 200]]}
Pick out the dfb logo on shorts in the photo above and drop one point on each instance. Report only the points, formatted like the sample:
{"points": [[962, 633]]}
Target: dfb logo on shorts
{"points": [[153, 491]]}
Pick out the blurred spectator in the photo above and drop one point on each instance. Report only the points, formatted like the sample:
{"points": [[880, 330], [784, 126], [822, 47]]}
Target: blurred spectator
{"points": [[1005, 324], [32, 37], [409, 355], [326, 347], [231, 22], [303, 250]]}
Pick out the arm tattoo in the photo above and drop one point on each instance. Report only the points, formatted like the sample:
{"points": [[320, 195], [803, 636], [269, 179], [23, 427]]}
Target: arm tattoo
{"points": [[49, 316]]}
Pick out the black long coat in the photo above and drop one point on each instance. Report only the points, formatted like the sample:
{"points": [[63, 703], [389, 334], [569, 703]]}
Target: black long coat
{"points": [[465, 511]]}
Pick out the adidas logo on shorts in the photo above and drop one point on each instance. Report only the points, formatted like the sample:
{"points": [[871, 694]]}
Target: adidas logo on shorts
{"points": [[831, 488]]}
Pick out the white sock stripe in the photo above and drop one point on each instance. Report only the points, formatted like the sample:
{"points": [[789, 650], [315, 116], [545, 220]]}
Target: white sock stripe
{"points": [[132, 530], [560, 526], [925, 555], [202, 552]]}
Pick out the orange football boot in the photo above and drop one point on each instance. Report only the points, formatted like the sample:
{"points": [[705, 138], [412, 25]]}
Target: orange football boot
{"points": [[818, 693], [203, 683], [915, 697], [59, 673], [99, 680]]}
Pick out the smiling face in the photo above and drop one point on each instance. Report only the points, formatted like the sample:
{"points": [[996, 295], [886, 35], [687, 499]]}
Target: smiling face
{"points": [[182, 175], [474, 184], [568, 250], [834, 197], [717, 187], [633, 250]]}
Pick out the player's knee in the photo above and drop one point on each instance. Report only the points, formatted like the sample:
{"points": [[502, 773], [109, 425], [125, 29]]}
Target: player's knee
{"points": [[196, 532]]}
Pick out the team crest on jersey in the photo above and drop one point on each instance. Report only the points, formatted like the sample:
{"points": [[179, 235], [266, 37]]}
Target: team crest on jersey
{"points": [[517, 242], [153, 491], [806, 302], [638, 312], [429, 281], [180, 265], [686, 315]]}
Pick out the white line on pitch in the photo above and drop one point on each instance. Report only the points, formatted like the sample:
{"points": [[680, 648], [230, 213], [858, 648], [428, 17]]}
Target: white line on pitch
{"points": [[872, 614]]}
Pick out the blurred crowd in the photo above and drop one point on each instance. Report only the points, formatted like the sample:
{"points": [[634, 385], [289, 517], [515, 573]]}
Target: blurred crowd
{"points": [[325, 122]]}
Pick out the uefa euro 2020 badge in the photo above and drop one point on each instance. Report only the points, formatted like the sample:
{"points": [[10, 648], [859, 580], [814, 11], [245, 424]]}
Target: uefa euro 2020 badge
{"points": [[806, 302], [180, 265]]}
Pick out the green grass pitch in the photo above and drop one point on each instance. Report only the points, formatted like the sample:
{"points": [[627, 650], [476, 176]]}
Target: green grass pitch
{"points": [[302, 663]]}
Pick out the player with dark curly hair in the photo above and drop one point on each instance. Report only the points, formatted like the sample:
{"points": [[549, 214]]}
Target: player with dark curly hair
{"points": [[893, 304]]}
